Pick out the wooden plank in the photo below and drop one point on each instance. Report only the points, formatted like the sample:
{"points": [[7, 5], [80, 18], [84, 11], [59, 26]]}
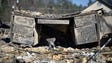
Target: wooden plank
{"points": [[26, 21], [47, 21], [86, 34], [85, 20]]}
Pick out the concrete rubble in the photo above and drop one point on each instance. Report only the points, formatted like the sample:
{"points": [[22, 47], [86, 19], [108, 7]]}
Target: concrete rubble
{"points": [[16, 54]]}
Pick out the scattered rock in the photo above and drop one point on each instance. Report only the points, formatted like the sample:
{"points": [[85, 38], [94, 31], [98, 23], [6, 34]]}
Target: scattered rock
{"points": [[44, 55], [7, 49]]}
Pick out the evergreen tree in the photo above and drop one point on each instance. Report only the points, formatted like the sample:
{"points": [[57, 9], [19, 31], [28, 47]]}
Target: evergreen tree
{"points": [[90, 2], [109, 2]]}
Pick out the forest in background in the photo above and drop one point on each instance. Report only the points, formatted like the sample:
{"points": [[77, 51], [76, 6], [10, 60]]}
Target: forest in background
{"points": [[44, 6]]}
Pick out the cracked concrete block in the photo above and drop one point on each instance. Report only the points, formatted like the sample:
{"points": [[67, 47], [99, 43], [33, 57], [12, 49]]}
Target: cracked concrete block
{"points": [[86, 34]]}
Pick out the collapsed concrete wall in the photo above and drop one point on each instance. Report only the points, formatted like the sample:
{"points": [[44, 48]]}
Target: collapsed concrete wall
{"points": [[75, 30], [85, 29], [23, 30]]}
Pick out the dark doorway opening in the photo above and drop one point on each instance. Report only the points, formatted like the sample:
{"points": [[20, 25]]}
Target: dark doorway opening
{"points": [[62, 32]]}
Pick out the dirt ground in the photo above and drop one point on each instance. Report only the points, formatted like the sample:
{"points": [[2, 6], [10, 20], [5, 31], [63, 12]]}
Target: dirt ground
{"points": [[11, 53]]}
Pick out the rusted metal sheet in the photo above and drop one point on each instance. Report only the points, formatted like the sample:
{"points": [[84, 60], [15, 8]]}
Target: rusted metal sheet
{"points": [[85, 20], [47, 21], [86, 34], [26, 21]]}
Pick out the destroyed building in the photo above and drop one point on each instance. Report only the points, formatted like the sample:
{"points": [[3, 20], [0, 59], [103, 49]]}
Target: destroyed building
{"points": [[84, 32], [70, 30], [78, 30], [55, 38]]}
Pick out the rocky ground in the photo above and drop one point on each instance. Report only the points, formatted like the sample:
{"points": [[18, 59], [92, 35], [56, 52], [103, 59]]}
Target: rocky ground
{"points": [[10, 53]]}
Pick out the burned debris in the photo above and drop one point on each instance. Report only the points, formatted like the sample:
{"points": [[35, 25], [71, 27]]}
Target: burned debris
{"points": [[58, 55], [58, 38]]}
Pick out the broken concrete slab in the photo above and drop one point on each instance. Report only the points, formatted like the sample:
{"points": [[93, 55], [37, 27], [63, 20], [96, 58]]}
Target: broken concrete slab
{"points": [[23, 30], [26, 21], [81, 21], [86, 34]]}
